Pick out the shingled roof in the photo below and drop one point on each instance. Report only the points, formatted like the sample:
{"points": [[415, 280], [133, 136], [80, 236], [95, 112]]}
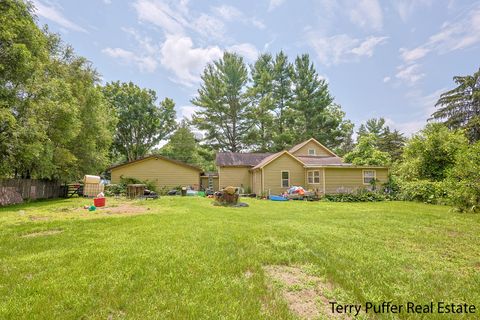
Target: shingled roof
{"points": [[321, 161], [225, 159]]}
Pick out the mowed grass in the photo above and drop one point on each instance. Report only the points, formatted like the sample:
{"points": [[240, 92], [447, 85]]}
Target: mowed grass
{"points": [[186, 259]]}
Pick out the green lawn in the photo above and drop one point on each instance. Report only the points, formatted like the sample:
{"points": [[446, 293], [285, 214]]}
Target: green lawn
{"points": [[183, 258]]}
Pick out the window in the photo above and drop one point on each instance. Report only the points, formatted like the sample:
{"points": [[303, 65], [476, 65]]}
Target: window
{"points": [[313, 177], [285, 179], [368, 176], [311, 152]]}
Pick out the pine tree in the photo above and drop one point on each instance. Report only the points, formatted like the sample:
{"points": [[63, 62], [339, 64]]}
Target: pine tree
{"points": [[223, 103], [261, 104], [282, 93]]}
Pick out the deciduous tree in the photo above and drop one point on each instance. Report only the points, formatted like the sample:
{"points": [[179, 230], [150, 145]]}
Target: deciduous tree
{"points": [[142, 124]]}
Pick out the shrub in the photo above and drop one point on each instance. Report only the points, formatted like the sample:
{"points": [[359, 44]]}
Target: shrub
{"points": [[121, 188], [361, 195], [463, 180], [426, 191]]}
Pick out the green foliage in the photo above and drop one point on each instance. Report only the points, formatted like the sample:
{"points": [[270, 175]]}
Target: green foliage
{"points": [[434, 192], [141, 123], [460, 107], [463, 181], [53, 118], [361, 195], [284, 133], [182, 145], [316, 114], [367, 153], [120, 189], [260, 94], [386, 140], [223, 103], [429, 154]]}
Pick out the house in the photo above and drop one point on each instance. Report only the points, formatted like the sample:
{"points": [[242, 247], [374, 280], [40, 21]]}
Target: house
{"points": [[163, 171], [309, 164]]}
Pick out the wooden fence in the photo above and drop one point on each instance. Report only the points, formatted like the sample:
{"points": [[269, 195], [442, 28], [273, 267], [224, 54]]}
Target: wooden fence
{"points": [[30, 189]]}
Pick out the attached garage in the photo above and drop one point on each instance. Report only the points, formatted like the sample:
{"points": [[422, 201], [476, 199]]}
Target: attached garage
{"points": [[162, 171]]}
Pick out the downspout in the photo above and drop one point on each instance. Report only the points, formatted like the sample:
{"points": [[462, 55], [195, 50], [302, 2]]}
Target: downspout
{"points": [[263, 182], [324, 181]]}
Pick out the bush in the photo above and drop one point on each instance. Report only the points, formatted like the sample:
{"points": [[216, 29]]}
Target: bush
{"points": [[463, 180], [434, 192], [120, 189], [361, 195]]}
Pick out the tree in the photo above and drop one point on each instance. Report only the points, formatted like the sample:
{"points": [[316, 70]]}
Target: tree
{"points": [[262, 105], [392, 142], [463, 180], [283, 136], [460, 107], [53, 116], [311, 98], [367, 153], [429, 154], [182, 145], [372, 126], [141, 123], [223, 103], [386, 139]]}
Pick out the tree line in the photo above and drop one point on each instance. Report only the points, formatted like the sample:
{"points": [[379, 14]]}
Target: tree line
{"points": [[58, 121]]}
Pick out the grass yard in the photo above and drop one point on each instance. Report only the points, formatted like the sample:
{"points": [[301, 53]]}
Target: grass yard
{"points": [[182, 258]]}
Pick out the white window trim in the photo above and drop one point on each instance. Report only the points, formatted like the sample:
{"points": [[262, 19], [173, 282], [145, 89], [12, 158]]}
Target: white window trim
{"points": [[313, 176], [363, 176], [312, 154], [281, 178]]}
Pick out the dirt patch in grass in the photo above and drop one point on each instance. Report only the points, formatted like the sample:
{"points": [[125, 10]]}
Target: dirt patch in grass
{"points": [[125, 209], [38, 218], [304, 293], [42, 233]]}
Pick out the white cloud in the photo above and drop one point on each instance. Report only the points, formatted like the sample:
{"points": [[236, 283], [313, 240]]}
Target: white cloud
{"points": [[387, 79], [171, 19], [144, 63], [186, 112], [186, 62], [366, 14], [405, 8], [456, 35], [414, 54], [343, 48], [258, 23], [228, 12], [274, 4], [246, 50], [107, 1], [410, 74], [53, 14], [209, 26], [366, 47]]}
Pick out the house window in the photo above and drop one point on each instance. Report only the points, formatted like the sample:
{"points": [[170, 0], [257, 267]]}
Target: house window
{"points": [[368, 176], [285, 179], [313, 177], [311, 152]]}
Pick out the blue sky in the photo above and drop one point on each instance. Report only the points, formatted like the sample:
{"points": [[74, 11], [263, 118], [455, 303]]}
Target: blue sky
{"points": [[381, 58]]}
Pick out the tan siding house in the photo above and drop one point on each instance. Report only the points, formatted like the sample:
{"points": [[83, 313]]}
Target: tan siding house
{"points": [[308, 164], [239, 177], [160, 170]]}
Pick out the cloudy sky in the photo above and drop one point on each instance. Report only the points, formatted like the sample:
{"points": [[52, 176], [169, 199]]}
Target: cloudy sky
{"points": [[381, 58]]}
